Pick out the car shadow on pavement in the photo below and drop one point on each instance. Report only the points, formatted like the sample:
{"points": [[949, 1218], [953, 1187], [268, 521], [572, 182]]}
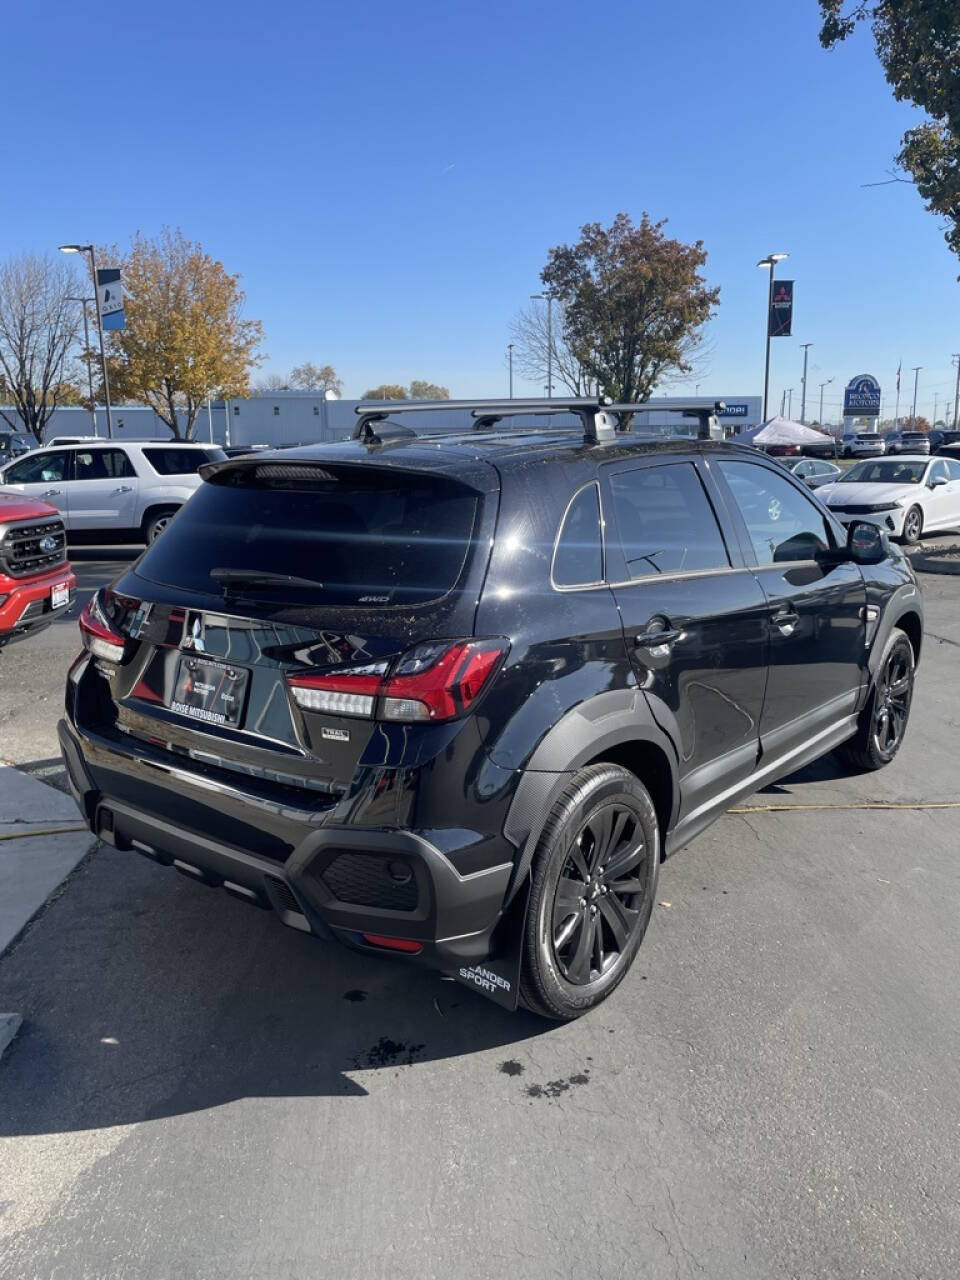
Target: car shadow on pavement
{"points": [[145, 996], [826, 769]]}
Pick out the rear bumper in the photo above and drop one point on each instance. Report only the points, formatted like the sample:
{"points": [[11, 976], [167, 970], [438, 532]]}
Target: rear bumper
{"points": [[451, 916], [28, 604]]}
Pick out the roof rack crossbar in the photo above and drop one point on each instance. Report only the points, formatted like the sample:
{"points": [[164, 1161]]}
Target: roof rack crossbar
{"points": [[707, 415], [592, 412]]}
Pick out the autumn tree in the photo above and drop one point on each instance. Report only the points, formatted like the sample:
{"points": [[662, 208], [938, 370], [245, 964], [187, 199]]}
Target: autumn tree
{"points": [[272, 382], [633, 301], [311, 377], [420, 390], [386, 391], [38, 326], [918, 43], [186, 339]]}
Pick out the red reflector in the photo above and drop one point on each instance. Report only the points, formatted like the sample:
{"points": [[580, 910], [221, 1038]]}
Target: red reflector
{"points": [[393, 944]]}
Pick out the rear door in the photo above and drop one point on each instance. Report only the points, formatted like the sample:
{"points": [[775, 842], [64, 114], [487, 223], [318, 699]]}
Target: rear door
{"points": [[941, 501], [694, 620], [816, 610], [103, 490], [43, 475], [952, 491], [337, 571]]}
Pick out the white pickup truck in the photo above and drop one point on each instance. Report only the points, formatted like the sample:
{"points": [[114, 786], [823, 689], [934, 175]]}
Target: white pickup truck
{"points": [[112, 491]]}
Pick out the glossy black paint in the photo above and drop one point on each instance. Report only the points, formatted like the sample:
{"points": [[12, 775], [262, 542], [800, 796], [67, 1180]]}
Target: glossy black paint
{"points": [[728, 699]]}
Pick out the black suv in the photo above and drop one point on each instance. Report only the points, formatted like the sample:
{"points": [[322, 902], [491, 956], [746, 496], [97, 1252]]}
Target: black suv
{"points": [[453, 697]]}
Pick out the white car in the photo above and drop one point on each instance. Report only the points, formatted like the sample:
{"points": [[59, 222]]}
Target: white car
{"points": [[108, 490], [906, 495], [862, 444]]}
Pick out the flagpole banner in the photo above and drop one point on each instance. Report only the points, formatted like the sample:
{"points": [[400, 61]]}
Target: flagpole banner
{"points": [[110, 293], [781, 309]]}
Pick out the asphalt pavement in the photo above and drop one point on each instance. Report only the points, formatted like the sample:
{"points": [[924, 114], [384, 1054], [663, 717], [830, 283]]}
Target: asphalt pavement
{"points": [[773, 1092]]}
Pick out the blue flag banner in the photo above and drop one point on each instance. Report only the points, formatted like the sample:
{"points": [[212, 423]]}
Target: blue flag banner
{"points": [[781, 309], [111, 298]]}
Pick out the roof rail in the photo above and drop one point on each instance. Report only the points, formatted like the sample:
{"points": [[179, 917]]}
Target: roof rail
{"points": [[593, 413], [708, 423]]}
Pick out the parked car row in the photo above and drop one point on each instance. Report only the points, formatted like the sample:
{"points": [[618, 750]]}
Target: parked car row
{"points": [[906, 496]]}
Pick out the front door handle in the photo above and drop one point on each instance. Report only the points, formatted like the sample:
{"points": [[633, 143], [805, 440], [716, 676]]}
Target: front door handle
{"points": [[124, 488], [786, 620], [658, 633], [50, 493]]}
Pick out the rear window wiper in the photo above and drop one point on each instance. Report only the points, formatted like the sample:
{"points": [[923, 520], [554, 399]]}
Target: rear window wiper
{"points": [[260, 578]]}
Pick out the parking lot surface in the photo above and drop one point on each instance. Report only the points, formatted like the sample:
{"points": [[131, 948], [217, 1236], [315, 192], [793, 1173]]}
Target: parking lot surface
{"points": [[773, 1092]]}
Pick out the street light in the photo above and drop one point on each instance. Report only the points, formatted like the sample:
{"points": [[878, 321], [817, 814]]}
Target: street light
{"points": [[822, 385], [803, 399], [510, 359], [548, 298], [86, 347], [88, 248], [770, 261]]}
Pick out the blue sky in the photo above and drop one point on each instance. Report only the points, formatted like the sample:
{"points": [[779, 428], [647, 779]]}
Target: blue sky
{"points": [[387, 179]]}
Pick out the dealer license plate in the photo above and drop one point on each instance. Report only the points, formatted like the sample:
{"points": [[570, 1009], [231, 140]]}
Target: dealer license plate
{"points": [[209, 691], [59, 595]]}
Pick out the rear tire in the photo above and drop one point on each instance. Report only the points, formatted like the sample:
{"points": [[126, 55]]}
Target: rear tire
{"points": [[912, 526], [594, 877], [156, 522], [883, 721]]}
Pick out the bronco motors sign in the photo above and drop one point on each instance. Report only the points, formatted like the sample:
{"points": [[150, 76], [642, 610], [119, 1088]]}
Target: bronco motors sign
{"points": [[861, 399]]}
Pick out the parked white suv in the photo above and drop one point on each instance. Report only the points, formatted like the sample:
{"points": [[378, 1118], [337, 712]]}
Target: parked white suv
{"points": [[107, 490]]}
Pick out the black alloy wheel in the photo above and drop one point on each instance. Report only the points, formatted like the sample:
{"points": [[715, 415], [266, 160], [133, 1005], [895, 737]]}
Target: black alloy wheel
{"points": [[596, 910], [891, 705]]}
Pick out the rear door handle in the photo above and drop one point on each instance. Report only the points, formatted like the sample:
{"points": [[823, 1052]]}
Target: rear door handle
{"points": [[786, 620], [654, 639], [124, 488], [50, 493]]}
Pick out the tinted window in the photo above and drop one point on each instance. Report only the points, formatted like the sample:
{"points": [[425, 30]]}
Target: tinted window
{"points": [[180, 462], [369, 537], [101, 464], [579, 555], [938, 470], [953, 468], [782, 522], [666, 522], [887, 471], [38, 468]]}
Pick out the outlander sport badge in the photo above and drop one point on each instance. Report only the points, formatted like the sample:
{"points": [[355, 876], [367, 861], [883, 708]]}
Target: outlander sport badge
{"points": [[335, 735]]}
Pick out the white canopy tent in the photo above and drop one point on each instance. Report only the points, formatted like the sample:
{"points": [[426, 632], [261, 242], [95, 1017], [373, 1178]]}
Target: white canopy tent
{"points": [[782, 431]]}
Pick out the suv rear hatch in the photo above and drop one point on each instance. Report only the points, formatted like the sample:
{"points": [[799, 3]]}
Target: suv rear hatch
{"points": [[256, 634]]}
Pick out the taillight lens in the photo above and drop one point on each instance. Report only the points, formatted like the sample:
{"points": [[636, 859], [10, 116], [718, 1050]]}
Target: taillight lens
{"points": [[432, 682], [98, 633], [431, 685]]}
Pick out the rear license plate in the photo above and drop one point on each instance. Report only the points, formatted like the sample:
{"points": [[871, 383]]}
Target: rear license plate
{"points": [[209, 691], [59, 595]]}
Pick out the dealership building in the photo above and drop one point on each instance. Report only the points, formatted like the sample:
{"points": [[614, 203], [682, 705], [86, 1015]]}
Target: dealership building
{"points": [[296, 417]]}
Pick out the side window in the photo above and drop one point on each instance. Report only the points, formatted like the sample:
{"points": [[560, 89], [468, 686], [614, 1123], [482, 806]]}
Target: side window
{"points": [[953, 468], [666, 522], [175, 462], [783, 523], [578, 558], [39, 469], [938, 470], [102, 464]]}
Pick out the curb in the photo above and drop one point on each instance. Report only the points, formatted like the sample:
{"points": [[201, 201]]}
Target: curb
{"points": [[946, 563]]}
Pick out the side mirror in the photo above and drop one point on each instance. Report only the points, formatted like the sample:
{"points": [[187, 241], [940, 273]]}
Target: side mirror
{"points": [[865, 543], [936, 482]]}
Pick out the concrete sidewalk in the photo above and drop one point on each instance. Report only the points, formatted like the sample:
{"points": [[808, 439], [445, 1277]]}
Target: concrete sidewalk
{"points": [[42, 838]]}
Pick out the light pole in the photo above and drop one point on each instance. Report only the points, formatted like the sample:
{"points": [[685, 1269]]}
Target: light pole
{"points": [[88, 248], [956, 398], [822, 385], [916, 379], [510, 360], [770, 261], [803, 395], [86, 347], [548, 298], [790, 403]]}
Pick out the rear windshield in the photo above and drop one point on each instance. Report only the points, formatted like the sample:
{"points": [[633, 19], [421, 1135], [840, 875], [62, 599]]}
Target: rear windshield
{"points": [[361, 536], [180, 462]]}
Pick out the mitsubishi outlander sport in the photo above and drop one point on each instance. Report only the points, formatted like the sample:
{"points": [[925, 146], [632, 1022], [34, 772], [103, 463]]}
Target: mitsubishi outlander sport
{"points": [[451, 698]]}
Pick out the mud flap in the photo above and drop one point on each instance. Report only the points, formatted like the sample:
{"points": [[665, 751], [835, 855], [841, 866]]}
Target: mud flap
{"points": [[499, 977]]}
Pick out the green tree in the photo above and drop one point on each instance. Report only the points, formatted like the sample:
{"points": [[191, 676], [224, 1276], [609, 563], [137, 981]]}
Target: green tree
{"points": [[633, 303], [420, 390], [386, 391], [186, 338], [918, 43], [311, 377]]}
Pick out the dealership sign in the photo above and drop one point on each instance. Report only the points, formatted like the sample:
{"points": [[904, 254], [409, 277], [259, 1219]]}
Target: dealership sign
{"points": [[733, 411], [111, 298], [781, 308], [861, 399]]}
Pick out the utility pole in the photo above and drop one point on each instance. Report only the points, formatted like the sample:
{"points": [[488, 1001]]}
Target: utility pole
{"points": [[510, 358], [916, 379], [936, 403], [783, 403], [790, 403], [548, 299], [803, 397], [956, 398], [88, 248]]}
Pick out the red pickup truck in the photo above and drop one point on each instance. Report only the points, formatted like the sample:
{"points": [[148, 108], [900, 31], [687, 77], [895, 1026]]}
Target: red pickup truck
{"points": [[36, 582]]}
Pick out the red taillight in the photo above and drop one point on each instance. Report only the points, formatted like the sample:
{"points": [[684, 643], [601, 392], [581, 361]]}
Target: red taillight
{"points": [[393, 944], [436, 681], [97, 632]]}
